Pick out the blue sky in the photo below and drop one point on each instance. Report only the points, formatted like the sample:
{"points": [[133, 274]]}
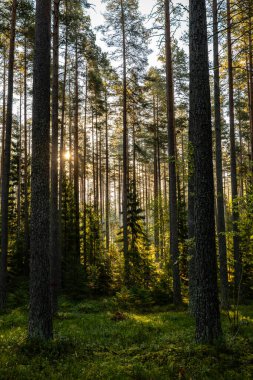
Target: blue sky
{"points": [[96, 14]]}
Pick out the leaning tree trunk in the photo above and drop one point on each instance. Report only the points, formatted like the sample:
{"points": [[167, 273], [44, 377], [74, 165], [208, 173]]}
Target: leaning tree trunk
{"points": [[207, 314], [172, 162], [221, 228], [6, 161], [40, 314]]}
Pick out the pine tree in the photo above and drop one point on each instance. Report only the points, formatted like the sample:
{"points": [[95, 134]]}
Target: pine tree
{"points": [[208, 328], [40, 312]]}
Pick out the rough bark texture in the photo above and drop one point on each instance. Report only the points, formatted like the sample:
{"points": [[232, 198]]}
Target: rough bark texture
{"points": [[190, 221], [40, 313], [207, 313], [6, 161], [172, 162], [221, 229]]}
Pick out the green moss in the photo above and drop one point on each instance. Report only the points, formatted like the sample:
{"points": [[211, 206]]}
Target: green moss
{"points": [[89, 344]]}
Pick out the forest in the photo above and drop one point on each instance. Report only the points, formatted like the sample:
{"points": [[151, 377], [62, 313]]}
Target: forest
{"points": [[126, 185]]}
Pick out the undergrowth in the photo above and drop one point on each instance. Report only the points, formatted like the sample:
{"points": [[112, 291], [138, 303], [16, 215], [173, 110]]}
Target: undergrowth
{"points": [[98, 339]]}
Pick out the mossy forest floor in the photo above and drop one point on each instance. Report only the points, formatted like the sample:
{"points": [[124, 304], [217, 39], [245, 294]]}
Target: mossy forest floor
{"points": [[96, 340]]}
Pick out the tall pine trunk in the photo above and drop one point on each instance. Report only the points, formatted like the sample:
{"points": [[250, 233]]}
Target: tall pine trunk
{"points": [[76, 161], [172, 162], [221, 229], [6, 161], [40, 313], [54, 225], [233, 165], [107, 184], [207, 314], [26, 199], [125, 149]]}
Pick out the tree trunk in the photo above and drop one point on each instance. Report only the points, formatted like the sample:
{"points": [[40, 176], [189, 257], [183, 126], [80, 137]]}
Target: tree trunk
{"points": [[156, 188], [174, 254], [208, 327], [6, 161], [235, 213], [26, 200], [85, 172], [40, 314], [76, 163], [251, 83], [107, 199], [221, 229], [62, 150], [54, 227], [125, 150], [4, 115]]}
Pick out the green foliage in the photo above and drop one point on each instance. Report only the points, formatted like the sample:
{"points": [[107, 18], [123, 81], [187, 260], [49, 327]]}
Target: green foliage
{"points": [[90, 344], [141, 268], [246, 243]]}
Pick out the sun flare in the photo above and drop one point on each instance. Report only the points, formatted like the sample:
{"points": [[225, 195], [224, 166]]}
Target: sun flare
{"points": [[67, 155]]}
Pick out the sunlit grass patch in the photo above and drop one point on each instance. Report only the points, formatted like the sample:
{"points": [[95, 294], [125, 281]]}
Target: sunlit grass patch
{"points": [[90, 344]]}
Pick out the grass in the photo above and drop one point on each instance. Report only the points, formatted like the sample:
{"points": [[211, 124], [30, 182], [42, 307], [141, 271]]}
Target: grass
{"points": [[93, 342]]}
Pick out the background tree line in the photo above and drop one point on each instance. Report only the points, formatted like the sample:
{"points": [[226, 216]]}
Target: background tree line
{"points": [[117, 175]]}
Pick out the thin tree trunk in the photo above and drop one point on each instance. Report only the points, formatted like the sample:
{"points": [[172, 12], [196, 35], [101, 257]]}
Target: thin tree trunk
{"points": [[6, 161], [76, 162], [221, 229], [84, 172], [156, 188], [62, 149], [54, 220], [107, 199], [251, 82], [26, 200], [4, 116], [235, 213], [125, 150], [174, 253]]}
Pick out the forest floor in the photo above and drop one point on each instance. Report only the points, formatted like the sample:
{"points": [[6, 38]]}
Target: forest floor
{"points": [[95, 341]]}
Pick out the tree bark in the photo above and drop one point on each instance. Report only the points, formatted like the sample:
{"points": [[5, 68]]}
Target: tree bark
{"points": [[40, 313], [107, 199], [76, 162], [26, 200], [6, 161], [207, 314], [174, 253], [125, 149], [233, 165], [54, 220], [221, 228]]}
